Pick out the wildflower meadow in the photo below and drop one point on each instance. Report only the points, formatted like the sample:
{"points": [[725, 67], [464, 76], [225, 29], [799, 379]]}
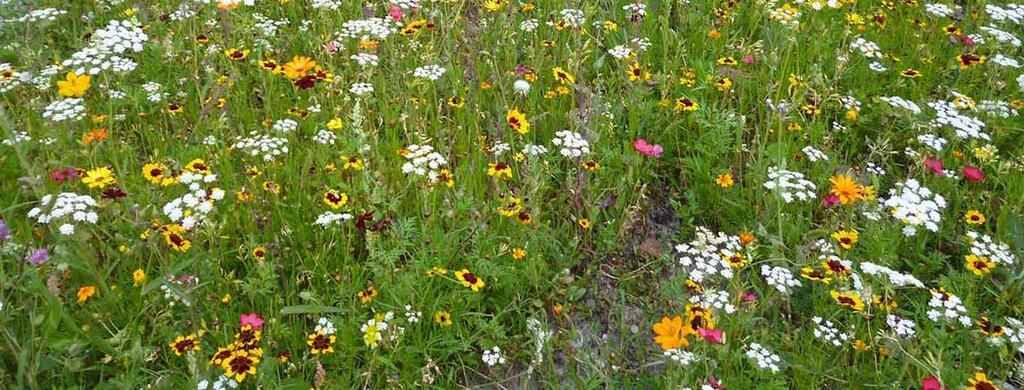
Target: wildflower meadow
{"points": [[553, 194]]}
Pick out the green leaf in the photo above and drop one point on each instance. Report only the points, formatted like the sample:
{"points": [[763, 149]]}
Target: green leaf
{"points": [[309, 309], [1014, 228]]}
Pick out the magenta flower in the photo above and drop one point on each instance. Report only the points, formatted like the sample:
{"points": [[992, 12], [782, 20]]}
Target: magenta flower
{"points": [[396, 13], [934, 165], [748, 59], [830, 200], [713, 336], [646, 149], [252, 319], [973, 174], [931, 383]]}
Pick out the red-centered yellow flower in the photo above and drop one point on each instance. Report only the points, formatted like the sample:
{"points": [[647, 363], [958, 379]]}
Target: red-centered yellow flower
{"points": [[470, 280], [158, 174], [697, 317], [73, 85], [174, 237], [562, 76], [185, 344], [239, 365], [851, 301], [335, 199], [974, 217], [367, 295], [979, 265], [198, 166], [236, 54], [511, 207], [443, 318], [846, 189], [320, 343], [846, 238], [988, 328], [980, 381], [298, 67], [499, 169], [685, 104], [517, 121], [445, 176], [636, 73], [815, 275], [670, 333]]}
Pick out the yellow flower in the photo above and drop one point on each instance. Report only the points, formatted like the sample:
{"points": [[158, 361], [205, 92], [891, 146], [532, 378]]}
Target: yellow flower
{"points": [[320, 343], [846, 238], [979, 265], [185, 344], [443, 318], [240, 364], [562, 76], [980, 381], [335, 199], [846, 189], [138, 277], [85, 293], [518, 253], [298, 67], [974, 217], [236, 54], [849, 300], [724, 180], [99, 177], [468, 279], [636, 73], [73, 85], [334, 124], [670, 333], [499, 169], [517, 121], [584, 223]]}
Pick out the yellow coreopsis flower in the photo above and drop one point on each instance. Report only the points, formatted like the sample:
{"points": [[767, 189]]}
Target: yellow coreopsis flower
{"points": [[73, 85]]}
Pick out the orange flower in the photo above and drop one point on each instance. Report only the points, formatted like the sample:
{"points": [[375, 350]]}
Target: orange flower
{"points": [[85, 293], [671, 333]]}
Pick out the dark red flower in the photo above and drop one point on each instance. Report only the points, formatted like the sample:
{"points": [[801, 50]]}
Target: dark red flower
{"points": [[934, 165], [973, 174]]}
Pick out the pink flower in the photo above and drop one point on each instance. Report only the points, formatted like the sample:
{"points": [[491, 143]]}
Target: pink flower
{"points": [[713, 336], [830, 200], [396, 13], [749, 296], [967, 40], [934, 165], [748, 59], [715, 384], [252, 319], [646, 149], [931, 383], [973, 174]]}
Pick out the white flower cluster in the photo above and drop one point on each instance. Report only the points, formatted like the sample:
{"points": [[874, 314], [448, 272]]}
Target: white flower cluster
{"points": [[329, 218], [902, 326], [897, 278], [372, 28], [68, 208], [899, 102], [325, 137], [412, 316], [866, 48], [534, 150], [786, 16], [827, 331], [573, 17], [360, 89], [915, 206], [70, 109], [636, 10], [946, 306], [571, 143], [680, 356], [223, 382], [875, 169], [154, 91], [529, 25], [983, 246], [326, 4], [1015, 333], [938, 9], [268, 27], [997, 108], [714, 299], [17, 138], [191, 209], [765, 359], [964, 126], [932, 141], [705, 255], [430, 72], [814, 155], [41, 15], [540, 337], [365, 59], [406, 4], [423, 160], [877, 67], [790, 185], [324, 325], [1000, 35], [780, 278], [262, 145], [285, 125], [492, 357], [1002, 60], [106, 46], [1011, 12], [621, 52]]}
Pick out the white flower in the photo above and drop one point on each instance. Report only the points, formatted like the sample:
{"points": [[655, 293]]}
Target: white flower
{"points": [[897, 278], [325, 137], [903, 327], [780, 278], [325, 325], [984, 246], [71, 109], [422, 160], [621, 52], [765, 359], [264, 146], [365, 59], [573, 17], [828, 332], [492, 357], [330, 218], [790, 185], [360, 89], [373, 28], [897, 101], [521, 87], [814, 155], [430, 72], [705, 255], [529, 25], [572, 144], [680, 356], [946, 306], [915, 206], [285, 125]]}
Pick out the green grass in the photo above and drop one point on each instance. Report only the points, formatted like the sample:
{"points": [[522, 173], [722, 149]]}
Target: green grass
{"points": [[598, 290]]}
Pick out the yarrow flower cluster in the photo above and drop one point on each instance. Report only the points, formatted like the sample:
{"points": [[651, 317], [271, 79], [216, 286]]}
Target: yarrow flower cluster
{"points": [[780, 278], [68, 209], [573, 17], [372, 28], [901, 326], [899, 102], [423, 160], [765, 359], [963, 126], [790, 185], [827, 331], [492, 357], [982, 245], [106, 47], [705, 256], [915, 206], [360, 89], [946, 306], [680, 356], [571, 143], [191, 208], [330, 218], [71, 109], [896, 278], [429, 72], [263, 146]]}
